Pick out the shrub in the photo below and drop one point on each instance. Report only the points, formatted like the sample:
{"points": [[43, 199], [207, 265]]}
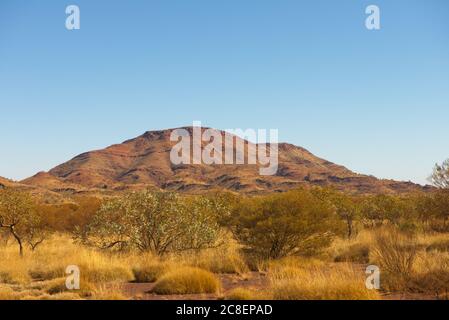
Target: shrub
{"points": [[187, 280], [291, 223], [395, 253], [155, 222]]}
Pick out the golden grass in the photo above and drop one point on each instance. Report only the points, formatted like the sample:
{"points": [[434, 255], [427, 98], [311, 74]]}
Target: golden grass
{"points": [[339, 282], [351, 250], [187, 280], [246, 294], [52, 258], [41, 274], [218, 260], [148, 268]]}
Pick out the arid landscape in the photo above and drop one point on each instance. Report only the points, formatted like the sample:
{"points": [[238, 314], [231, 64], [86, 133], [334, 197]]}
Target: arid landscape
{"points": [[139, 227]]}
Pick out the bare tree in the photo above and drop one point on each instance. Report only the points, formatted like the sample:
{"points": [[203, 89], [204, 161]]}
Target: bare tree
{"points": [[440, 175]]}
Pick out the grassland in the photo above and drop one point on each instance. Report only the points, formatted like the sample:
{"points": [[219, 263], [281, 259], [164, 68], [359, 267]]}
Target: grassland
{"points": [[224, 273]]}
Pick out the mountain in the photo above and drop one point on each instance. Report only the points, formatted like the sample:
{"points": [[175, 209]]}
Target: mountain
{"points": [[145, 161], [5, 182]]}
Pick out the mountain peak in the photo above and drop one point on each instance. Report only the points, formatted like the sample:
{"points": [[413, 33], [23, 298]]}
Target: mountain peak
{"points": [[145, 161]]}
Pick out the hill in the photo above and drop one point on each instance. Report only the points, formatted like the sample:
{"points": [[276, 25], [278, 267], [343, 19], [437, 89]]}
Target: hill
{"points": [[145, 161]]}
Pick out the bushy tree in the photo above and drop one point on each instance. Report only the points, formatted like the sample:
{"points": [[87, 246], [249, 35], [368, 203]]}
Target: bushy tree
{"points": [[64, 217], [434, 209], [19, 217], [378, 209], [153, 221], [274, 226], [346, 206]]}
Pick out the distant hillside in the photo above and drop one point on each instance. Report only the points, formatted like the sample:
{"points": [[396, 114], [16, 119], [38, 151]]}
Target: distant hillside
{"points": [[145, 161]]}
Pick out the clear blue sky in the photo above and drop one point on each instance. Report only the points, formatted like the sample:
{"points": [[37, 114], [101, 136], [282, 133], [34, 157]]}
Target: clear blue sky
{"points": [[374, 101]]}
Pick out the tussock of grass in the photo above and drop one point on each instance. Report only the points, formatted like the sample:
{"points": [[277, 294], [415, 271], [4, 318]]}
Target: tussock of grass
{"points": [[338, 283], [357, 253], [246, 294], [220, 260], [7, 293], [58, 286], [289, 262], [395, 253], [150, 271], [440, 245], [187, 280]]}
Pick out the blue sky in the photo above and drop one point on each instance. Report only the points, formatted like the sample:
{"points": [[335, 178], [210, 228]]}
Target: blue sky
{"points": [[374, 101]]}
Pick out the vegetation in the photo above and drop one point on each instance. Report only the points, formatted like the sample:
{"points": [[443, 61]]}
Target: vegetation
{"points": [[152, 221], [20, 219], [187, 280], [291, 223], [304, 244], [440, 175]]}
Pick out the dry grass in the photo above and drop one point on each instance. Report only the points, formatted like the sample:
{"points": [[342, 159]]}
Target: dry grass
{"points": [[247, 294], [226, 259], [339, 282], [51, 260], [395, 254], [354, 250], [418, 265], [187, 280], [150, 270]]}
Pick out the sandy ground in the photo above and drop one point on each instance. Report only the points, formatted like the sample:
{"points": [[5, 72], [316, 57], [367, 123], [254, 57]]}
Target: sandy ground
{"points": [[254, 280]]}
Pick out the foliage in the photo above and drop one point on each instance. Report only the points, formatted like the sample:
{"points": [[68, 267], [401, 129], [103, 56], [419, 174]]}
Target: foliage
{"points": [[153, 221], [19, 217], [344, 205], [275, 226], [187, 280]]}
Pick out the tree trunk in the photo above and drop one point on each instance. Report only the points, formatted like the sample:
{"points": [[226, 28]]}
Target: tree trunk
{"points": [[19, 241], [349, 223]]}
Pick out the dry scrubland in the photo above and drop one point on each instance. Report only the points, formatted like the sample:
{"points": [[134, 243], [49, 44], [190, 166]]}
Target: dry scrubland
{"points": [[304, 244], [41, 274]]}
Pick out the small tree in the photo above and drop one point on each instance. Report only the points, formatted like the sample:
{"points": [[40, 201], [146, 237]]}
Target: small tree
{"points": [[378, 209], [345, 206], [440, 175], [36, 231], [17, 215], [152, 221], [285, 224]]}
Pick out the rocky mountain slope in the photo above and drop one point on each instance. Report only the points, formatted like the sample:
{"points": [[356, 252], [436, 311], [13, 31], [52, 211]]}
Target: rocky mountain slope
{"points": [[145, 161]]}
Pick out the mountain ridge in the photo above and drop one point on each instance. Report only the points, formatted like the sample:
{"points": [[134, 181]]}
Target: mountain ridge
{"points": [[144, 161]]}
